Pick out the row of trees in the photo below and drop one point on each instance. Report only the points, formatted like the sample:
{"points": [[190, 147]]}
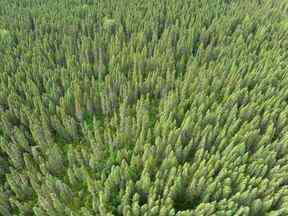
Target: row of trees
{"points": [[143, 108]]}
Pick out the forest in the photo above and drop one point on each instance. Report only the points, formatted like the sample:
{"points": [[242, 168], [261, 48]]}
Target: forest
{"points": [[143, 108]]}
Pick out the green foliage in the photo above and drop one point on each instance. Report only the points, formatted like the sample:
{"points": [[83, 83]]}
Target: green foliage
{"points": [[154, 108], [4, 34]]}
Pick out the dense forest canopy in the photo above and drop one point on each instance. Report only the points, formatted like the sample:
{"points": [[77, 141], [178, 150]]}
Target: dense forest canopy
{"points": [[143, 108]]}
